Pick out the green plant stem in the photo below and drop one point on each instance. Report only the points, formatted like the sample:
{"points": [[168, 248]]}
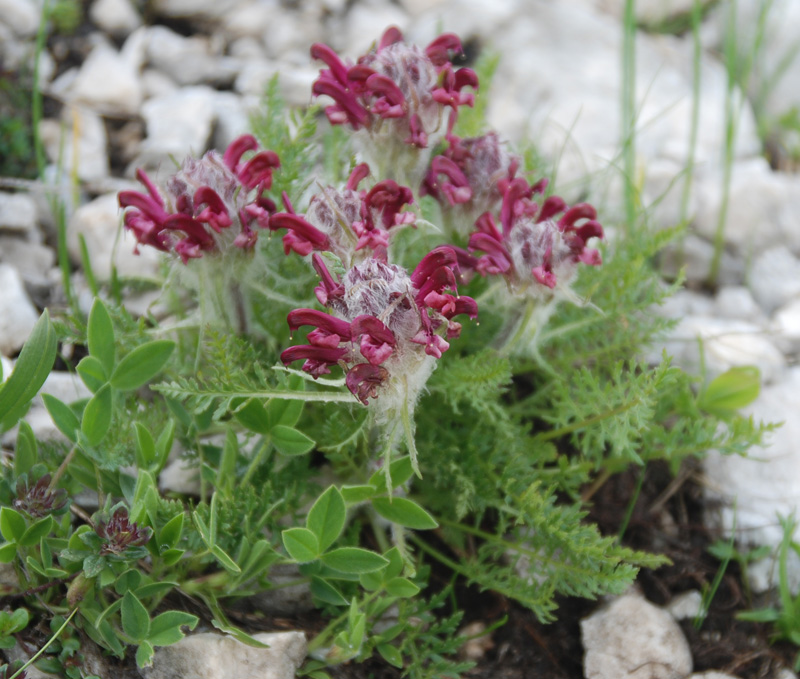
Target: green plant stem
{"points": [[36, 94], [628, 116], [696, 18], [257, 459], [46, 646], [521, 330], [320, 640], [62, 468]]}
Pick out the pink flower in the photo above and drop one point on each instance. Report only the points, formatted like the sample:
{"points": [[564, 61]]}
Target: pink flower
{"points": [[399, 94], [351, 223], [384, 326], [533, 250], [471, 175], [209, 205]]}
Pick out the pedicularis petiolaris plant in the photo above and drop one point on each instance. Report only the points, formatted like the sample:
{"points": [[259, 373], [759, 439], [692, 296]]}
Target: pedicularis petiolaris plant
{"points": [[428, 363]]}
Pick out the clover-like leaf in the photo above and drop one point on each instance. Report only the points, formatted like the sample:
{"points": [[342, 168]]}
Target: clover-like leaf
{"points": [[290, 441], [141, 365], [135, 618], [326, 517], [405, 512], [353, 560], [100, 336], [301, 544]]}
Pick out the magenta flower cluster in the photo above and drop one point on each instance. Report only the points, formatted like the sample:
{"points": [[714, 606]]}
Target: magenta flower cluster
{"points": [[384, 327], [537, 246], [209, 205], [349, 221], [384, 322], [396, 83]]}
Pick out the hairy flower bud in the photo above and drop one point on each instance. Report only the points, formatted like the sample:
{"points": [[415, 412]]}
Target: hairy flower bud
{"points": [[386, 327], [397, 96], [536, 251], [353, 224], [469, 178], [210, 205], [38, 500]]}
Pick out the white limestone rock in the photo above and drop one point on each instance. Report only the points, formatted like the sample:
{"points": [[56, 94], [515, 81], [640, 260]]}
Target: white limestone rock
{"points": [[751, 492], [17, 212], [246, 48], [786, 327], [99, 222], [686, 605], [249, 19], [178, 124], [180, 476], [83, 151], [632, 639], [693, 256], [232, 115], [295, 82], [32, 260], [21, 16], [7, 366], [214, 656], [188, 61], [285, 598], [157, 84], [726, 343], [762, 209], [66, 387], [108, 82], [195, 9], [417, 7], [364, 23], [775, 278], [737, 302], [288, 36], [116, 17], [17, 313], [775, 78]]}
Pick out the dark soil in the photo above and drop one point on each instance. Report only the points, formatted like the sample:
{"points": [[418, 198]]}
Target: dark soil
{"points": [[666, 519]]}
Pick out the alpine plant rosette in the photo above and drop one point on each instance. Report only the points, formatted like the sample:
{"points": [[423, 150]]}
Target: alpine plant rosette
{"points": [[400, 99]]}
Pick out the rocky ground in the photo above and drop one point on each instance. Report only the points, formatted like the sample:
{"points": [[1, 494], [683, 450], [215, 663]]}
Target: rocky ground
{"points": [[132, 85]]}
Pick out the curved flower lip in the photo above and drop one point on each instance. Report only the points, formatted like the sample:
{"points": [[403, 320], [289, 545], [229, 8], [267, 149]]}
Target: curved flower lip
{"points": [[364, 379], [360, 173], [258, 170], [442, 256], [216, 214], [328, 289], [233, 154], [325, 54], [374, 327], [329, 355], [457, 190], [438, 50], [319, 319], [303, 237]]}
